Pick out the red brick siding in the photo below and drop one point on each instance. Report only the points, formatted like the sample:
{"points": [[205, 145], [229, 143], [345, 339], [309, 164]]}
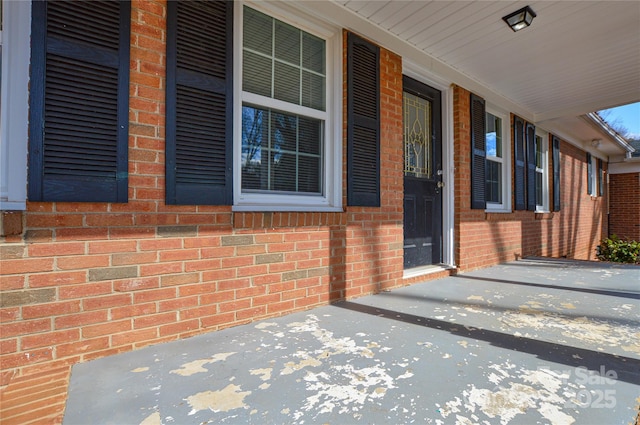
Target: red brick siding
{"points": [[484, 239], [624, 205], [86, 280]]}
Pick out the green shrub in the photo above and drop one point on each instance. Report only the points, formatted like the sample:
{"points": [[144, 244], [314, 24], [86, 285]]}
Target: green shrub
{"points": [[619, 251]]}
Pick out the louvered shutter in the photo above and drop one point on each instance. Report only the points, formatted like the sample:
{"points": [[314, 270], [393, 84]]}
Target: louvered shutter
{"points": [[478, 153], [531, 166], [363, 122], [79, 111], [556, 174], [199, 137], [589, 174], [519, 168]]}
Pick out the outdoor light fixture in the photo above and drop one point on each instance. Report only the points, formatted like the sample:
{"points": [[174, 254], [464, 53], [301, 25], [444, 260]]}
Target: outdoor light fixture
{"points": [[520, 18]]}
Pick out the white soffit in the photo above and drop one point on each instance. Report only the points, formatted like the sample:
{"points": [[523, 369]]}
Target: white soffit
{"points": [[576, 57]]}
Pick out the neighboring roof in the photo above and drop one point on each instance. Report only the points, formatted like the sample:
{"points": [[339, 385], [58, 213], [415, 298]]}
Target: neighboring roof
{"points": [[636, 146]]}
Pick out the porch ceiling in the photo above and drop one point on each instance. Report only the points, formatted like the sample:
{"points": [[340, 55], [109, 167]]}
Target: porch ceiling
{"points": [[576, 57]]}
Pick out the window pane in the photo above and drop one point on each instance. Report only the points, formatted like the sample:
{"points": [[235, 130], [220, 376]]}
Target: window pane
{"points": [[493, 190], [287, 43], [280, 152], [539, 152], [494, 136], [256, 74], [258, 31], [283, 171], [287, 83], [309, 170], [283, 62], [313, 53], [309, 132], [539, 200], [313, 91]]}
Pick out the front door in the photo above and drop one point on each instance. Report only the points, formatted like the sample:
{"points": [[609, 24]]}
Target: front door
{"points": [[422, 174]]}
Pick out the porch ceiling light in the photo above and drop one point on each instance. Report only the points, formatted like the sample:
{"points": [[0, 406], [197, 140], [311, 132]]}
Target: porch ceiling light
{"points": [[520, 19]]}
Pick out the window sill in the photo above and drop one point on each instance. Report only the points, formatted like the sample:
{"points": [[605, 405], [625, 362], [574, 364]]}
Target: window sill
{"points": [[497, 211], [12, 206], [543, 215], [284, 208]]}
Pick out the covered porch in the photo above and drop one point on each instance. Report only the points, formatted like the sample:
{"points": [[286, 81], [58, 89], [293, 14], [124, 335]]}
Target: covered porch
{"points": [[532, 341]]}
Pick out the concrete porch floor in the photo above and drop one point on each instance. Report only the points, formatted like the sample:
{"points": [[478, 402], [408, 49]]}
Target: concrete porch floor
{"points": [[537, 341]]}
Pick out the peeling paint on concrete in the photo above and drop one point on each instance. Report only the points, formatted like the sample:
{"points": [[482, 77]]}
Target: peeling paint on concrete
{"points": [[291, 367], [349, 392], [516, 391], [591, 331], [475, 298], [197, 366], [229, 398], [265, 374], [140, 369], [152, 419]]}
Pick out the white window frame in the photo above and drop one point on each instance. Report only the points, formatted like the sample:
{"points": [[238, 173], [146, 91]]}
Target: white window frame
{"points": [[331, 198], [543, 137], [505, 205], [15, 38]]}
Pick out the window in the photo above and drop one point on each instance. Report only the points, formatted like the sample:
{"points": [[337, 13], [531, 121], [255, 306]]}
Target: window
{"points": [[498, 162], [595, 176], [15, 30], [79, 123], [556, 174], [600, 178], [253, 108], [542, 172], [287, 136], [282, 151]]}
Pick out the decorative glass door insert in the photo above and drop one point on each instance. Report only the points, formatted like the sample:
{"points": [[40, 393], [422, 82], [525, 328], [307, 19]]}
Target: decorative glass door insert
{"points": [[417, 136]]}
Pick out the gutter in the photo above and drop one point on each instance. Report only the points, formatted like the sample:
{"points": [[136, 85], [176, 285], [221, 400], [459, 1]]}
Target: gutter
{"points": [[615, 136]]}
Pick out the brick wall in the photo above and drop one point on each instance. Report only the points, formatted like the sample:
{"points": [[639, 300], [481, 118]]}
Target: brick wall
{"points": [[624, 205], [484, 239], [86, 280]]}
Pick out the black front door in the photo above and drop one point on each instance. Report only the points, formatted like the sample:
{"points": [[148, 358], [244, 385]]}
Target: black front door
{"points": [[422, 174]]}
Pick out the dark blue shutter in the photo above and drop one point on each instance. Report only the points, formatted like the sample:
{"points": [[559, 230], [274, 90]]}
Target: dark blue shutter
{"points": [[519, 167], [478, 152], [199, 136], [556, 174], [531, 167], [589, 174], [600, 178], [79, 105], [363, 122]]}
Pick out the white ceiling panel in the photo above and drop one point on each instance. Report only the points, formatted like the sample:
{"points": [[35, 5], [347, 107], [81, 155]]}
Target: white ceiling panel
{"points": [[577, 56]]}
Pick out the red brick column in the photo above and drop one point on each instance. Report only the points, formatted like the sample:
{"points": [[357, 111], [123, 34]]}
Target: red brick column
{"points": [[624, 205]]}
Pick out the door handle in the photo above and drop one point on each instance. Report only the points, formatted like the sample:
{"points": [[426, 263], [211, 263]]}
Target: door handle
{"points": [[440, 185]]}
